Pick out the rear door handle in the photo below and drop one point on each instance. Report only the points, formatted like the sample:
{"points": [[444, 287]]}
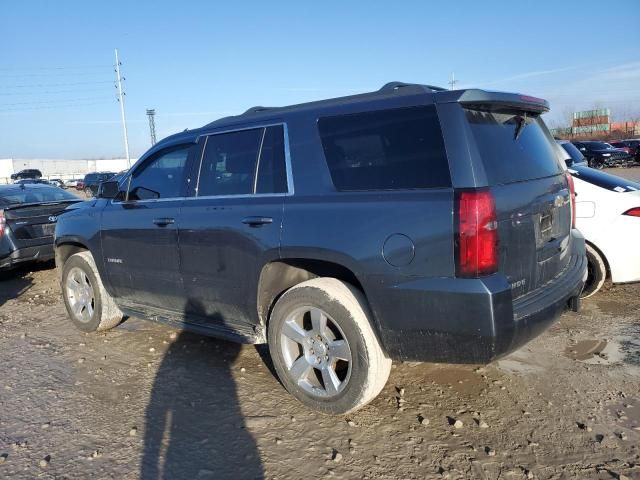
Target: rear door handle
{"points": [[164, 221], [257, 221]]}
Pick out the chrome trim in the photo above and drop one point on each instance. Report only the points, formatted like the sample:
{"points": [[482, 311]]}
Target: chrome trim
{"points": [[206, 140], [239, 195], [287, 160], [255, 172], [287, 152], [264, 126]]}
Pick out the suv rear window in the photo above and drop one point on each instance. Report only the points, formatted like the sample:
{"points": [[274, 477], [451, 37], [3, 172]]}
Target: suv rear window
{"points": [[515, 146], [385, 150]]}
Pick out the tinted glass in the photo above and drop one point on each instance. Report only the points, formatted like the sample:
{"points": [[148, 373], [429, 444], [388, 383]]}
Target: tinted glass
{"points": [[514, 146], [597, 146], [385, 150], [161, 177], [34, 195], [272, 176], [229, 163]]}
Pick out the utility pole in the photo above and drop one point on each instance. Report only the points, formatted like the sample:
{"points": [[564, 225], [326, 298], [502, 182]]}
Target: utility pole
{"points": [[453, 81], [121, 95], [151, 113]]}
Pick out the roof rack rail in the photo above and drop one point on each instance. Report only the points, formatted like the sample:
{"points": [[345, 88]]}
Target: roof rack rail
{"points": [[393, 86], [256, 109]]}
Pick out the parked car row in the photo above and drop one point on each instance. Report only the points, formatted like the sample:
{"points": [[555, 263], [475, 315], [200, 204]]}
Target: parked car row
{"points": [[89, 184], [600, 154], [28, 215], [608, 215], [631, 146]]}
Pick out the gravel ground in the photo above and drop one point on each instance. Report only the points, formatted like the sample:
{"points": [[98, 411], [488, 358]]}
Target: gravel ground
{"points": [[147, 401]]}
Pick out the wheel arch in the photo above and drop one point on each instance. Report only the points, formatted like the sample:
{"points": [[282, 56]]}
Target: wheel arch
{"points": [[65, 248], [603, 256], [280, 275]]}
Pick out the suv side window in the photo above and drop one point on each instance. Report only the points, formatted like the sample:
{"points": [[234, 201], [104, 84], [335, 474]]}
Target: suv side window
{"points": [[272, 173], [230, 161], [161, 177], [391, 149]]}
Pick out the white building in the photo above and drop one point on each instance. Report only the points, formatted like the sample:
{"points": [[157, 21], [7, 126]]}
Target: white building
{"points": [[60, 168]]}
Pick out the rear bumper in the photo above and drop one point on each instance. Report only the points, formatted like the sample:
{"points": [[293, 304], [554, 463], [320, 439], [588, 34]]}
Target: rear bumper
{"points": [[28, 254], [473, 320]]}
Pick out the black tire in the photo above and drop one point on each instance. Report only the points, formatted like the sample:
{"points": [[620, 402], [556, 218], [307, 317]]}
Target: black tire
{"points": [[347, 309], [596, 272], [105, 314]]}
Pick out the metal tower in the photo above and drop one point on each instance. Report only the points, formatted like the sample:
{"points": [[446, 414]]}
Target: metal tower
{"points": [[151, 113]]}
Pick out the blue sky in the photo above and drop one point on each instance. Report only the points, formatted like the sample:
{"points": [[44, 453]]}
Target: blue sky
{"points": [[194, 61]]}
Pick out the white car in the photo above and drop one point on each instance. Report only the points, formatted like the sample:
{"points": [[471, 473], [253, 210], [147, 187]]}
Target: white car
{"points": [[608, 215]]}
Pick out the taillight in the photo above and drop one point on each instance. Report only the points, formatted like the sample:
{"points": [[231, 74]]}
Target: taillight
{"points": [[3, 223], [633, 212], [572, 191], [477, 235]]}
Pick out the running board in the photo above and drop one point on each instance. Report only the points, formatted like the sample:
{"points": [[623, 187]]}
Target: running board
{"points": [[239, 333]]}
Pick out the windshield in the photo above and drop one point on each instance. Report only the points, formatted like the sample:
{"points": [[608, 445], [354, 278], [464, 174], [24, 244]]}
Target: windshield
{"points": [[514, 145], [598, 146], [574, 153], [33, 195]]}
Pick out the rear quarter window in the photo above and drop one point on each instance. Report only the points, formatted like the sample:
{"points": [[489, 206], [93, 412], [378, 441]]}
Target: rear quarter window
{"points": [[385, 150], [514, 146]]}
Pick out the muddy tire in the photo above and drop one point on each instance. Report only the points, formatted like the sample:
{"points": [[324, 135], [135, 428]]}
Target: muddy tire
{"points": [[89, 306], [596, 272], [323, 346]]}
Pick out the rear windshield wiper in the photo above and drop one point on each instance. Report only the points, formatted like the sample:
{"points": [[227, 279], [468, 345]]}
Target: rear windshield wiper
{"points": [[521, 123]]}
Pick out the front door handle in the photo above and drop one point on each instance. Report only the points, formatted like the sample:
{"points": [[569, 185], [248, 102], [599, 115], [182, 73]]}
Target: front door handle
{"points": [[164, 221], [257, 221]]}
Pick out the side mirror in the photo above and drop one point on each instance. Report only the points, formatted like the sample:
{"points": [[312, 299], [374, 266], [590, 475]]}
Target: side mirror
{"points": [[108, 189]]}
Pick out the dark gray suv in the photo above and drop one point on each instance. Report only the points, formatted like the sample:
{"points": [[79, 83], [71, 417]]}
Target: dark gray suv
{"points": [[409, 223]]}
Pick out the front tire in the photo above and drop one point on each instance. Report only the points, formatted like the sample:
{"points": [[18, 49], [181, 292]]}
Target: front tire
{"points": [[597, 272], [89, 306], [323, 346]]}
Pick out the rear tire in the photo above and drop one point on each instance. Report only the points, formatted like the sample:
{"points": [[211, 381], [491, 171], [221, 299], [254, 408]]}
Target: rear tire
{"points": [[597, 272], [323, 346], [89, 306]]}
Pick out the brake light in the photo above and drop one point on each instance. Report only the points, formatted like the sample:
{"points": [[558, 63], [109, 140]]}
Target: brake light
{"points": [[3, 223], [572, 191], [633, 212], [477, 236]]}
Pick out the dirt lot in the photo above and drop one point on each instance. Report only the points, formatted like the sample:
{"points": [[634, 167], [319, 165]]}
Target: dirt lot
{"points": [[146, 401]]}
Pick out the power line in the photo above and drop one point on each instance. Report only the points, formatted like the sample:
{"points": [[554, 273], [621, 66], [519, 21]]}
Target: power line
{"points": [[55, 107], [59, 74], [51, 92], [52, 101], [40, 85], [78, 67]]}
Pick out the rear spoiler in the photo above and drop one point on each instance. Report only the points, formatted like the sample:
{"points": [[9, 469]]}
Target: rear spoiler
{"points": [[491, 100], [18, 206]]}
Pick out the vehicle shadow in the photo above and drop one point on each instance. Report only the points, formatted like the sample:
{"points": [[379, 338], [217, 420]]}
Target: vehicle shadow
{"points": [[17, 281], [194, 427]]}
